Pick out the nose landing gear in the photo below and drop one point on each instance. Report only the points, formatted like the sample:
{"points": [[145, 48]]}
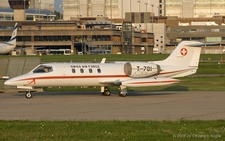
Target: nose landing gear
{"points": [[28, 95]]}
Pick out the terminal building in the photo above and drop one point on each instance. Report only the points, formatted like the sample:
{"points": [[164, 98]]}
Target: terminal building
{"points": [[73, 35], [194, 8], [142, 31]]}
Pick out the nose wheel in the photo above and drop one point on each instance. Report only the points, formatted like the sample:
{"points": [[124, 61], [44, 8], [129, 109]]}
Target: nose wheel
{"points": [[28, 95]]}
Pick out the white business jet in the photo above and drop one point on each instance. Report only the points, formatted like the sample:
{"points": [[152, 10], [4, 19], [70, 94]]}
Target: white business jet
{"points": [[183, 61], [11, 44]]}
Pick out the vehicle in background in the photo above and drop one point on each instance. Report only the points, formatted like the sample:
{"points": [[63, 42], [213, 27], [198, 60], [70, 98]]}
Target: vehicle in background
{"points": [[100, 52], [54, 52]]}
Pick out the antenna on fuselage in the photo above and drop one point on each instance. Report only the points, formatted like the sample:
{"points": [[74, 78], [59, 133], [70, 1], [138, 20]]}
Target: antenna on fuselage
{"points": [[103, 60]]}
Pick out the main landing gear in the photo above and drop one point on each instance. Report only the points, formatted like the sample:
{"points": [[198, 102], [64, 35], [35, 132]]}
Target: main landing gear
{"points": [[105, 91], [28, 95], [122, 91]]}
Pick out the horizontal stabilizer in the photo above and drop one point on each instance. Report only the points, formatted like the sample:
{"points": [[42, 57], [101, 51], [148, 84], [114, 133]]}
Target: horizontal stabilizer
{"points": [[145, 82]]}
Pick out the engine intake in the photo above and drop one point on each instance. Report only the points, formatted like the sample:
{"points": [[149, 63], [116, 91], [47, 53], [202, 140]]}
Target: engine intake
{"points": [[141, 70]]}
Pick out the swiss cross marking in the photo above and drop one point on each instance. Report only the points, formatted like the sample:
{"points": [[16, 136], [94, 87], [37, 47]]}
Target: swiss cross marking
{"points": [[183, 51]]}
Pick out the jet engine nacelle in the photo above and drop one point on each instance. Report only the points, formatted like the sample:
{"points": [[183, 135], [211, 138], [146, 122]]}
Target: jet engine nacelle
{"points": [[140, 70]]}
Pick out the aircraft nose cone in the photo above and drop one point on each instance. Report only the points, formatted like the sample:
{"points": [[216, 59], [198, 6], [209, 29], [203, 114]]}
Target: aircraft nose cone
{"points": [[7, 82]]}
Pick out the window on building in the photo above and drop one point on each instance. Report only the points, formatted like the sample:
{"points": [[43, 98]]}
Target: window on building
{"points": [[143, 39], [142, 17]]}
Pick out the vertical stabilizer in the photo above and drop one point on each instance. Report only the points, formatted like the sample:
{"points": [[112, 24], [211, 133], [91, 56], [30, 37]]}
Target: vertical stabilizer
{"points": [[186, 54], [13, 37]]}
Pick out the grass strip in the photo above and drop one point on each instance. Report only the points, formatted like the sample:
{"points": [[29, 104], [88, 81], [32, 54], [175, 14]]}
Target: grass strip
{"points": [[112, 130]]}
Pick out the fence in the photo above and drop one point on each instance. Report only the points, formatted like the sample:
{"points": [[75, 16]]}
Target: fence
{"points": [[11, 67]]}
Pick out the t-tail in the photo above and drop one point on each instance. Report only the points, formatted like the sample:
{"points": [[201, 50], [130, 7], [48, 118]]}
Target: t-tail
{"points": [[182, 61], [12, 40]]}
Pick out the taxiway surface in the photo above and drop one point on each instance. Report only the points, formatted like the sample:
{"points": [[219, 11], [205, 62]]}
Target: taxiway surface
{"points": [[188, 105]]}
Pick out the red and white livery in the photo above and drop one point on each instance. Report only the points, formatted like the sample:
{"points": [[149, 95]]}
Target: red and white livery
{"points": [[183, 61]]}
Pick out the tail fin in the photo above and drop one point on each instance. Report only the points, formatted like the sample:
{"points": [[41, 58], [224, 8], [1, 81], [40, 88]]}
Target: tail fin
{"points": [[13, 37], [186, 54]]}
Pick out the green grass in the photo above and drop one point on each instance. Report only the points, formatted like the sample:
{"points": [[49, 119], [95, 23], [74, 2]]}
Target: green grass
{"points": [[191, 84], [211, 68], [91, 58], [115, 57], [126, 130], [112, 130], [206, 65]]}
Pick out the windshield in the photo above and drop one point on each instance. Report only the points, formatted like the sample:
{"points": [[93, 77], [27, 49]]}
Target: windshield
{"points": [[43, 69]]}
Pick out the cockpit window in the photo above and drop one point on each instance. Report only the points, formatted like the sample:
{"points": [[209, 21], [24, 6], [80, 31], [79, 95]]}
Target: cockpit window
{"points": [[43, 69]]}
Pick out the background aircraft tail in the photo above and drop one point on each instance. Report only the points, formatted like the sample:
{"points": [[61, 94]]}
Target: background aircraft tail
{"points": [[186, 54], [13, 37]]}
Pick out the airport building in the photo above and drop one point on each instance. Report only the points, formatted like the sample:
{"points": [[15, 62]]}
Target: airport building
{"points": [[33, 4], [34, 10], [88, 31], [113, 9], [194, 8], [7, 14], [79, 37]]}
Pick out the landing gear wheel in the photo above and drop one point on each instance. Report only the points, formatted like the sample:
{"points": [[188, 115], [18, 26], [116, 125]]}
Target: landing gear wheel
{"points": [[122, 91], [122, 94], [28, 95], [107, 93]]}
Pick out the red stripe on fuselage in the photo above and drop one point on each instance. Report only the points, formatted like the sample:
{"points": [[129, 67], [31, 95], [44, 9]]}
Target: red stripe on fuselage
{"points": [[154, 82], [71, 77]]}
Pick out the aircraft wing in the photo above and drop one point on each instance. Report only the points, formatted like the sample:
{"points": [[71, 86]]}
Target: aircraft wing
{"points": [[110, 82], [201, 44]]}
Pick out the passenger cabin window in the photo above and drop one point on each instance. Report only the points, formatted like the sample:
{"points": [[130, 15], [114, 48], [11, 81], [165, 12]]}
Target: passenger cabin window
{"points": [[90, 71], [43, 69], [99, 70], [81, 70], [73, 71]]}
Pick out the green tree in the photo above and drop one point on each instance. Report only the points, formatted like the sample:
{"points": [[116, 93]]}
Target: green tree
{"points": [[58, 15]]}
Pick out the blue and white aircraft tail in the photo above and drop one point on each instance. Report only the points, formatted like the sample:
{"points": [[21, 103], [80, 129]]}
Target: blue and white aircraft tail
{"points": [[7, 47]]}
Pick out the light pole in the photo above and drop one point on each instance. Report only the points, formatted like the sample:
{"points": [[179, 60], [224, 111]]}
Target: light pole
{"points": [[130, 12], [39, 2], [146, 10], [139, 3], [24, 10], [152, 16], [122, 10], [50, 4], [60, 6], [111, 12]]}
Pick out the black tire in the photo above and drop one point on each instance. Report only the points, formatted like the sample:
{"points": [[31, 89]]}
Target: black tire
{"points": [[122, 95], [107, 93], [28, 95]]}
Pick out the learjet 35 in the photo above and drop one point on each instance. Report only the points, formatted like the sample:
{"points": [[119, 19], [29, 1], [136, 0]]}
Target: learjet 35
{"points": [[183, 61]]}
